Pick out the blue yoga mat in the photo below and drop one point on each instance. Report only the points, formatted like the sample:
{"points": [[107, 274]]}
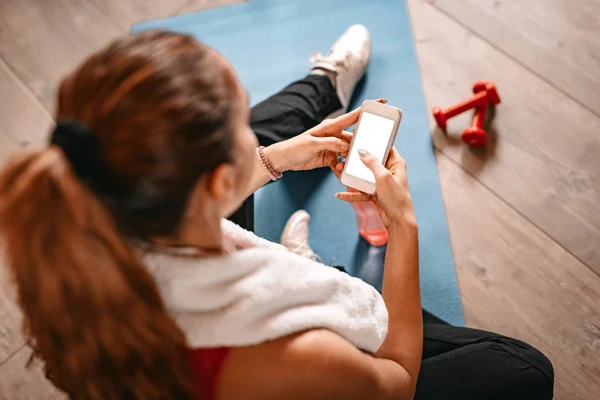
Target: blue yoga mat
{"points": [[269, 42]]}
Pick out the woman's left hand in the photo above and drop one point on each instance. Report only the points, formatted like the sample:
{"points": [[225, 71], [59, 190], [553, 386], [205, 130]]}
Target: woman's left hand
{"points": [[317, 147]]}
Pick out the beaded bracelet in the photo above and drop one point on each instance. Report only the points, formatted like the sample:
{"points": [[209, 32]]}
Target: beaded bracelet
{"points": [[266, 164]]}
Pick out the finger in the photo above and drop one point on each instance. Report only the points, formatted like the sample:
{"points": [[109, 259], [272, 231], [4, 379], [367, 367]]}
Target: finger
{"points": [[353, 197], [337, 173], [394, 159], [346, 120], [349, 119], [332, 144], [336, 167], [347, 136], [372, 163]]}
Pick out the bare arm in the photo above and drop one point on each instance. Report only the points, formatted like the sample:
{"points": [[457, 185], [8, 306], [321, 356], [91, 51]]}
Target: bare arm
{"points": [[401, 290], [276, 154], [259, 176], [401, 293], [313, 365]]}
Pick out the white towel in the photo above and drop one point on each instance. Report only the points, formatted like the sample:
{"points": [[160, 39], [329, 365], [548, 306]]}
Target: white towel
{"points": [[263, 292]]}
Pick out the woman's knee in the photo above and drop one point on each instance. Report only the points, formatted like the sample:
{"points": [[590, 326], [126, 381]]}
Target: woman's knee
{"points": [[536, 373]]}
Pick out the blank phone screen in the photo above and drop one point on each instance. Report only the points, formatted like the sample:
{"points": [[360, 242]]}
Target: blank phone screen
{"points": [[373, 135]]}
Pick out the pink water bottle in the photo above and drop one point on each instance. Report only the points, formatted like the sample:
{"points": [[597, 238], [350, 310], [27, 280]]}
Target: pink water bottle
{"points": [[370, 225]]}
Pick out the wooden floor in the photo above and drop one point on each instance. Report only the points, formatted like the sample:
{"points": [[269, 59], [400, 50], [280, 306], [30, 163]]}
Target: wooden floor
{"points": [[524, 215]]}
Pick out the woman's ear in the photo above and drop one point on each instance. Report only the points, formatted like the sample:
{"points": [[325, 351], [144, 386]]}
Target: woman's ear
{"points": [[221, 184]]}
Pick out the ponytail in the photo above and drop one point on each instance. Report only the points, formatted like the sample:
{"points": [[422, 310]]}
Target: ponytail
{"points": [[92, 312]]}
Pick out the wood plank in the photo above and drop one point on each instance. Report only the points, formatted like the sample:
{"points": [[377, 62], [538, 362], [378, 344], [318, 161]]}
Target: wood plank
{"points": [[23, 122], [130, 12], [557, 39], [543, 156], [197, 5], [20, 383], [127, 13], [10, 322], [44, 40], [515, 280]]}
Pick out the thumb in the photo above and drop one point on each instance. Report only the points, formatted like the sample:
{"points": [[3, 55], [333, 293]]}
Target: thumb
{"points": [[332, 144], [371, 162]]}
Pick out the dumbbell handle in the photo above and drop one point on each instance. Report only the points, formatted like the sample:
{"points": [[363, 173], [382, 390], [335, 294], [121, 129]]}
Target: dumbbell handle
{"points": [[480, 98], [479, 116], [475, 135]]}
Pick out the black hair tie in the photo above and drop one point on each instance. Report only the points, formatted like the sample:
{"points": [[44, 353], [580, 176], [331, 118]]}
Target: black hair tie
{"points": [[80, 146]]}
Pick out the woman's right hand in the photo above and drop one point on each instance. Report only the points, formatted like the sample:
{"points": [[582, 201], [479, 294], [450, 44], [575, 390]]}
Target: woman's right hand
{"points": [[392, 196]]}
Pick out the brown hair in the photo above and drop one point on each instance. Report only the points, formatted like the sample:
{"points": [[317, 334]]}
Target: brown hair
{"points": [[158, 106]]}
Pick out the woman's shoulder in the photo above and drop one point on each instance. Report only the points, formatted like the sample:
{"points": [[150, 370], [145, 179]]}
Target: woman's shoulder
{"points": [[311, 364]]}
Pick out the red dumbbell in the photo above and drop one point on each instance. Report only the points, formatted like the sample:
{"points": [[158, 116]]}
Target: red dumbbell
{"points": [[475, 135], [485, 91]]}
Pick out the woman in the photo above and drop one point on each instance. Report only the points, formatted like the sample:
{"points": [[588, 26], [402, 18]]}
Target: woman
{"points": [[133, 287]]}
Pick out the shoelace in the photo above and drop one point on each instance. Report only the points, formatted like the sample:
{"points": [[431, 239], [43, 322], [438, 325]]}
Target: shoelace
{"points": [[317, 57]]}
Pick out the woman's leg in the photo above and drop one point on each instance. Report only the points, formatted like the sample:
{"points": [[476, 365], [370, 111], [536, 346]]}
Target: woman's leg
{"points": [[305, 103], [463, 363], [295, 109]]}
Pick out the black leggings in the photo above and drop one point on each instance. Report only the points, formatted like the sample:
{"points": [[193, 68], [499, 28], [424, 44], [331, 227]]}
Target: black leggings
{"points": [[465, 363], [458, 363]]}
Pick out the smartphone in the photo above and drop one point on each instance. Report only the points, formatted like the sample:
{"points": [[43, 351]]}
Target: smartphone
{"points": [[376, 132]]}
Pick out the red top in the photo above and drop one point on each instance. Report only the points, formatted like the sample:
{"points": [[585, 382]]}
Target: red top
{"points": [[206, 366]]}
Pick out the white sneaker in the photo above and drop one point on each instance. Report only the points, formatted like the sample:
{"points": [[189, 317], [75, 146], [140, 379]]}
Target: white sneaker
{"points": [[347, 59], [295, 235]]}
